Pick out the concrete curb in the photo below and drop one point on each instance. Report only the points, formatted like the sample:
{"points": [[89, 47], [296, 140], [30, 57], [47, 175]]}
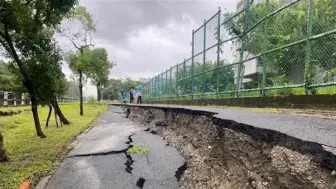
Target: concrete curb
{"points": [[43, 182]]}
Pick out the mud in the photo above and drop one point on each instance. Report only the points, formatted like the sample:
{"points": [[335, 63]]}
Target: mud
{"points": [[226, 155]]}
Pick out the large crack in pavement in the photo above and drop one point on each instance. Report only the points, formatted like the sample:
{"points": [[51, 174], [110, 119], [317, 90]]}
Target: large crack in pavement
{"points": [[129, 160], [180, 171], [101, 158]]}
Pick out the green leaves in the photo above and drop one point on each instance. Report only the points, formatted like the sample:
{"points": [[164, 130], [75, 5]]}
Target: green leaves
{"points": [[80, 14], [79, 28], [114, 86], [98, 66], [26, 33], [94, 64], [287, 26]]}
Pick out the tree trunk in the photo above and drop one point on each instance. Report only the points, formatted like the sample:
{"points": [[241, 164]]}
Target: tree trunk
{"points": [[3, 156], [49, 114], [56, 119], [36, 117], [60, 122], [58, 110], [98, 92], [80, 93]]}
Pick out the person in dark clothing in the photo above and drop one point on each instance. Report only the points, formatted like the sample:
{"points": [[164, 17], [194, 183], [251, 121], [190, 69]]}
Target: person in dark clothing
{"points": [[131, 96], [139, 101]]}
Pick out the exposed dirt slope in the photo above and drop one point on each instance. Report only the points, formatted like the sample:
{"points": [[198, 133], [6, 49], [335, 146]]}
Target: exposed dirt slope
{"points": [[226, 155]]}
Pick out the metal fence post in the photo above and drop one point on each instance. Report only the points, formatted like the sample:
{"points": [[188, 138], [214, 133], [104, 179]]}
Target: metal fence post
{"points": [[162, 85], [151, 89], [218, 50], [170, 82], [176, 83], [308, 65], [166, 84], [204, 59], [192, 63], [264, 71], [184, 78], [242, 47], [149, 86], [145, 94], [159, 86], [155, 88]]}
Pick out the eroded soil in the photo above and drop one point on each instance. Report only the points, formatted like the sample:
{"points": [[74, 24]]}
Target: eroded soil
{"points": [[224, 158]]}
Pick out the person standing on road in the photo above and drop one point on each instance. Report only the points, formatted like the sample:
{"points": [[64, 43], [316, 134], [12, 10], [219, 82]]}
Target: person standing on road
{"points": [[131, 96], [123, 96], [139, 100], [134, 96]]}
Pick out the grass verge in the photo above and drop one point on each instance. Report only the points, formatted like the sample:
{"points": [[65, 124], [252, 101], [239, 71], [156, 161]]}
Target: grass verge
{"points": [[267, 110], [32, 157]]}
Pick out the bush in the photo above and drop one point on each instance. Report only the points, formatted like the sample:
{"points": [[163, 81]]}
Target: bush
{"points": [[92, 100]]}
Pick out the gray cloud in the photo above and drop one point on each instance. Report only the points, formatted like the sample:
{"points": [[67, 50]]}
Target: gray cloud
{"points": [[119, 18], [146, 37]]}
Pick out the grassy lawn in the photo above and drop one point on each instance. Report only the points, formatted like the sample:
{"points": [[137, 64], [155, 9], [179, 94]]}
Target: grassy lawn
{"points": [[30, 155]]}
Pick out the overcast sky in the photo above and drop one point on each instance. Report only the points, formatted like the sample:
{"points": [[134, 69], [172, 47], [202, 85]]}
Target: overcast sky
{"points": [[145, 37]]}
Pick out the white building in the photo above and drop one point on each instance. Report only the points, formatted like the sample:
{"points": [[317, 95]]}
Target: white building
{"points": [[144, 80]]}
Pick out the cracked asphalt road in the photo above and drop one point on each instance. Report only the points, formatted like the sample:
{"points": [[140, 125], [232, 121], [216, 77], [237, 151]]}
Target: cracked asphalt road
{"points": [[100, 158], [322, 131]]}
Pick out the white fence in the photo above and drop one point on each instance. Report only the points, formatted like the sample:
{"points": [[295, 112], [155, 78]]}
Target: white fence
{"points": [[17, 99]]}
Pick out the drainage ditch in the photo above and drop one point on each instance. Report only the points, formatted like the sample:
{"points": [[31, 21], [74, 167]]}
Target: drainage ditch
{"points": [[226, 154]]}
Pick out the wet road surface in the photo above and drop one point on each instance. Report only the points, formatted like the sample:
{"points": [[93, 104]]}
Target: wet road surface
{"points": [[101, 159]]}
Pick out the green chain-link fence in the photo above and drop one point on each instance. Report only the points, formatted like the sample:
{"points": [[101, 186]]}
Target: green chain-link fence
{"points": [[271, 48]]}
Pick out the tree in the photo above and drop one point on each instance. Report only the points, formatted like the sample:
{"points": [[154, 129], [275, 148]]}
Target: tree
{"points": [[26, 35], [114, 86], [7, 82], [98, 67], [207, 82], [72, 89], [79, 28], [60, 90]]}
